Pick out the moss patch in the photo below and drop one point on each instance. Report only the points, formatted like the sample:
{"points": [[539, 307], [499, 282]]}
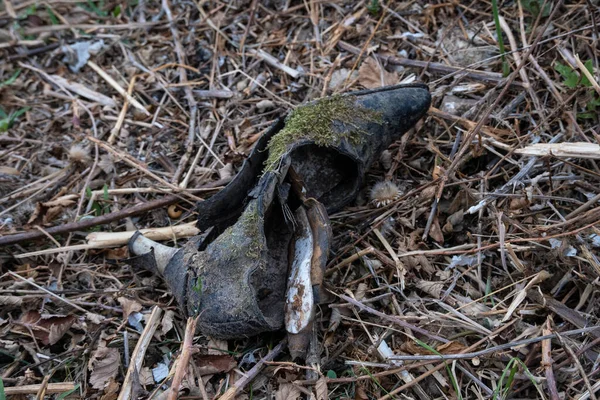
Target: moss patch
{"points": [[315, 122]]}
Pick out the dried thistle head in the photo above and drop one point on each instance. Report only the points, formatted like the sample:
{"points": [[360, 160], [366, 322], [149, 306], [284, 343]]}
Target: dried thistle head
{"points": [[79, 154], [383, 193]]}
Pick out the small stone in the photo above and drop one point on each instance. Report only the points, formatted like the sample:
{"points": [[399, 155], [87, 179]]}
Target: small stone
{"points": [[264, 105]]}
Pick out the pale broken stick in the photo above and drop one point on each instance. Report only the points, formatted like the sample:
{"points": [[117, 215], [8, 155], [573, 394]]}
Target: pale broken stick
{"points": [[104, 219], [573, 149], [269, 59], [118, 88], [51, 388], [137, 358], [102, 240], [80, 89]]}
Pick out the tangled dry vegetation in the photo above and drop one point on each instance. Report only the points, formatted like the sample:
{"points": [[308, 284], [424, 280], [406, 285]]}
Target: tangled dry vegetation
{"points": [[483, 247]]}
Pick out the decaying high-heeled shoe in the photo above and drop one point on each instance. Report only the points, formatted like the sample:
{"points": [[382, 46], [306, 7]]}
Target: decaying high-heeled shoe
{"points": [[268, 230]]}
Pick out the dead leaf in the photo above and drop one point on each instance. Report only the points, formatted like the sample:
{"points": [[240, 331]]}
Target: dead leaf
{"points": [[287, 391], [226, 172], [49, 329], [94, 318], [451, 348], [340, 76], [146, 377], [454, 222], [111, 391], [129, 306], [360, 393], [10, 347], [167, 322], [60, 202], [433, 288], [104, 366], [321, 389], [522, 292], [371, 75], [214, 364], [217, 346], [11, 301], [361, 291], [118, 253], [436, 232], [334, 320]]}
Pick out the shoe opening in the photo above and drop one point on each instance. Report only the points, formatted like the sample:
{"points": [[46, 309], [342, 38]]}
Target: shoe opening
{"points": [[328, 175]]}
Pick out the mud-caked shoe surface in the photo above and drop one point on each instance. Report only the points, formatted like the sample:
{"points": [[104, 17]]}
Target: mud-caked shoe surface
{"points": [[234, 277]]}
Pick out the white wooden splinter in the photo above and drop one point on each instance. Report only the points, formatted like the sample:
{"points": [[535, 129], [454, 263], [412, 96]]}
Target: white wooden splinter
{"points": [[299, 297]]}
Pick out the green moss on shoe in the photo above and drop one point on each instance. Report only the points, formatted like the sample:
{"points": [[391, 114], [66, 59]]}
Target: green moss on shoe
{"points": [[315, 122], [245, 234]]}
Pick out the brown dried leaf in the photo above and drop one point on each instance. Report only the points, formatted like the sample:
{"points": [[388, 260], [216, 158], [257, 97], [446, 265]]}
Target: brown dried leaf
{"points": [[15, 301], [287, 391], [60, 202], [213, 364], [321, 389], [111, 392], [360, 393], [129, 306], [433, 288], [436, 232], [454, 222], [118, 253], [371, 75], [104, 366], [49, 329], [451, 348], [146, 377], [167, 322]]}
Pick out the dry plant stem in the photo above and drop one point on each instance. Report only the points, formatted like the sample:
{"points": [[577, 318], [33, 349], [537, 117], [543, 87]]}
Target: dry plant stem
{"points": [[136, 164], [392, 319], [507, 346], [184, 358], [102, 240], [349, 260], [104, 219], [189, 143], [137, 358], [247, 378], [547, 363], [118, 87], [51, 388], [88, 223], [434, 67], [269, 59], [75, 306], [573, 356], [419, 378], [41, 393], [483, 120], [117, 128]]}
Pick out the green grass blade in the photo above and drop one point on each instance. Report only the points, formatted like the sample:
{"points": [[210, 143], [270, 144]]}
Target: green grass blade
{"points": [[62, 396], [505, 67]]}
